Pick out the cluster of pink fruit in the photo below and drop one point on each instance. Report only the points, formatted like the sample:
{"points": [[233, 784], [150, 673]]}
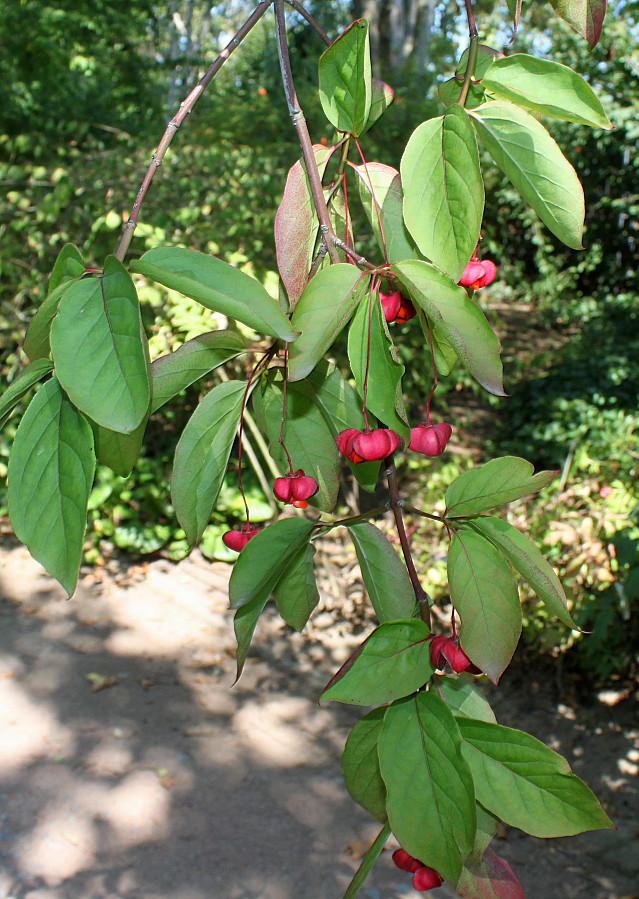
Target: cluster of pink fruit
{"points": [[424, 877], [295, 488], [399, 309], [374, 444], [371, 445]]}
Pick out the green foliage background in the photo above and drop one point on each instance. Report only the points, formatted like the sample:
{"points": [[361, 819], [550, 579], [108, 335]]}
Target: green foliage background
{"points": [[87, 101]]}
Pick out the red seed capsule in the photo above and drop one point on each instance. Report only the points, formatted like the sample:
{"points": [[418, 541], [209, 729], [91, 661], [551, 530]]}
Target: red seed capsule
{"points": [[426, 879], [238, 539], [406, 862], [344, 441], [429, 439], [478, 273], [295, 488], [391, 304], [447, 649], [376, 444]]}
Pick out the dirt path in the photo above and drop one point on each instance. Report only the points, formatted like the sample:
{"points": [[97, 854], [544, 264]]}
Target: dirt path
{"points": [[167, 783]]}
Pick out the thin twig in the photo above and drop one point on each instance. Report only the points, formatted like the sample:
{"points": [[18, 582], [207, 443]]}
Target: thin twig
{"points": [[396, 505], [353, 254], [171, 129], [472, 52], [352, 519], [304, 138], [311, 21]]}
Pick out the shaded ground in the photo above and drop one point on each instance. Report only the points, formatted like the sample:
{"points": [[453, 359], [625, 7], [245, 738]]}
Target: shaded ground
{"points": [[168, 783]]}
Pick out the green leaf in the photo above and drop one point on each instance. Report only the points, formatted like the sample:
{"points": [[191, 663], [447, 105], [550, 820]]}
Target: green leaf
{"points": [[217, 286], [526, 784], [296, 225], [547, 87], [457, 319], [585, 16], [244, 624], [367, 863], [194, 359], [382, 95], [98, 350], [485, 58], [430, 796], [265, 559], [536, 167], [488, 877], [384, 574], [495, 483], [321, 313], [342, 409], [484, 592], [443, 190], [345, 79], [296, 594], [449, 93], [68, 266], [522, 553], [51, 470], [380, 191], [360, 765], [392, 662], [306, 435], [36, 342], [443, 351], [21, 385], [202, 455], [384, 397], [464, 698], [119, 452]]}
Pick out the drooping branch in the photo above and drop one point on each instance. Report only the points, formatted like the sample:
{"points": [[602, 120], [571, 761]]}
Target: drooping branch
{"points": [[304, 138], [311, 21], [171, 129]]}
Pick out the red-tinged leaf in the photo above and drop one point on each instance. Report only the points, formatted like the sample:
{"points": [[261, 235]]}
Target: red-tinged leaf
{"points": [[585, 16], [296, 225], [490, 878]]}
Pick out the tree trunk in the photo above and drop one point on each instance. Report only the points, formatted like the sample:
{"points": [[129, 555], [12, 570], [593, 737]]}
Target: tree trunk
{"points": [[400, 32]]}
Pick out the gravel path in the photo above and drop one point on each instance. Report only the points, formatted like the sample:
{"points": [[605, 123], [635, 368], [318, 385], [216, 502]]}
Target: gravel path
{"points": [[131, 768]]}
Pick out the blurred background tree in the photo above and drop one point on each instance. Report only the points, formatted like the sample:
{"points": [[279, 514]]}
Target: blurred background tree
{"points": [[90, 85]]}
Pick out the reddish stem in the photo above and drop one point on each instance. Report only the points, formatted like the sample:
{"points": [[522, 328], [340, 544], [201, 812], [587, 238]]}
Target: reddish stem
{"points": [[396, 503], [284, 391], [240, 433]]}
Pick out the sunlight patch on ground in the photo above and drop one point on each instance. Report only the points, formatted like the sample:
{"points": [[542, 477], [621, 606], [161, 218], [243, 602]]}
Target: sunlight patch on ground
{"points": [[28, 730]]}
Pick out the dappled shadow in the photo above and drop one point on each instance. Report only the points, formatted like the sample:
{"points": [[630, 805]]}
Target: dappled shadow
{"points": [[169, 783]]}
